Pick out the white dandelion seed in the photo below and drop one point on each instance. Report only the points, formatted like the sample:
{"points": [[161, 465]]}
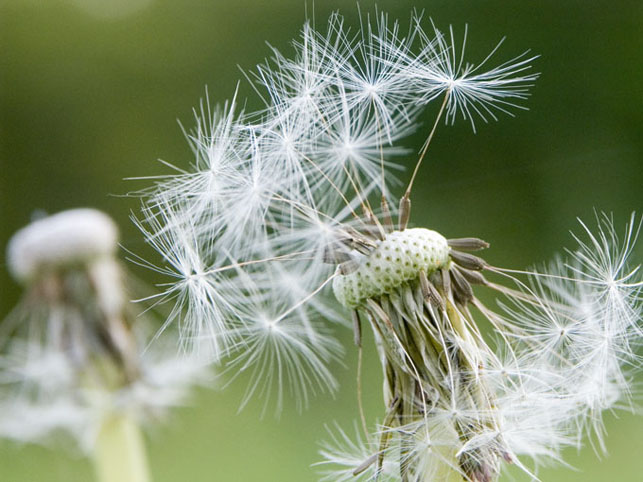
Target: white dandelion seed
{"points": [[371, 76], [349, 458], [474, 90]]}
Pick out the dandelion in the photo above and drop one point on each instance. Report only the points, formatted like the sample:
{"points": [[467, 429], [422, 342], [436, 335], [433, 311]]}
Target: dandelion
{"points": [[474, 91], [302, 231], [72, 364]]}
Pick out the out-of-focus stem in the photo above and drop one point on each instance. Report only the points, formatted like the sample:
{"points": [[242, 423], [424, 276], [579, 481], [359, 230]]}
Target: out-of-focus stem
{"points": [[120, 454]]}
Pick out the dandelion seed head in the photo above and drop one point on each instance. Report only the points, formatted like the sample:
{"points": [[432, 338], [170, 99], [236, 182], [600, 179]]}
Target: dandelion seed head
{"points": [[303, 201], [70, 354], [398, 258], [77, 235]]}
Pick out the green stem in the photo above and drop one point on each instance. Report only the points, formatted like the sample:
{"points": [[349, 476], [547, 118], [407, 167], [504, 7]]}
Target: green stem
{"points": [[120, 455]]}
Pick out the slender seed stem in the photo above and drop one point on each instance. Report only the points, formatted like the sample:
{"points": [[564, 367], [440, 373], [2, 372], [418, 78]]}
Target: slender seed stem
{"points": [[427, 143], [360, 403]]}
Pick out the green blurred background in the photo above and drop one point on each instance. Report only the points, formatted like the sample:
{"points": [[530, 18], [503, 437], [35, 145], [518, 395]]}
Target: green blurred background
{"points": [[90, 91]]}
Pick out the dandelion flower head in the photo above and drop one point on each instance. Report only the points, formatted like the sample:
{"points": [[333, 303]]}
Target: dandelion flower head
{"points": [[287, 223], [71, 356]]}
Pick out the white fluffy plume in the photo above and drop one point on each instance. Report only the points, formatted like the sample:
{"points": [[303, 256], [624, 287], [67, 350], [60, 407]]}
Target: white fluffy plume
{"points": [[280, 203]]}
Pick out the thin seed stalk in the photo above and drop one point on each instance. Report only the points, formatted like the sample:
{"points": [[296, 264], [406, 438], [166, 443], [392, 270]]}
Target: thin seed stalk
{"points": [[119, 454]]}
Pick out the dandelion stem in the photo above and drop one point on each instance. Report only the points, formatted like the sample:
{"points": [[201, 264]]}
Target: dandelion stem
{"points": [[120, 455], [360, 403]]}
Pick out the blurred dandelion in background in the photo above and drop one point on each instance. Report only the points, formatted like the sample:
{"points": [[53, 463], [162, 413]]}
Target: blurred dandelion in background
{"points": [[73, 366]]}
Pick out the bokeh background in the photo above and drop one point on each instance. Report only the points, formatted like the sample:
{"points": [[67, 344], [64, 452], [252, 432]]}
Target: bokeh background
{"points": [[90, 94]]}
